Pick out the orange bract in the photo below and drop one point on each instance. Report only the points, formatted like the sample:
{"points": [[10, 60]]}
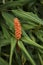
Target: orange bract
{"points": [[17, 27]]}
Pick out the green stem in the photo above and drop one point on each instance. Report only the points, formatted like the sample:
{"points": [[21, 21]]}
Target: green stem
{"points": [[11, 53]]}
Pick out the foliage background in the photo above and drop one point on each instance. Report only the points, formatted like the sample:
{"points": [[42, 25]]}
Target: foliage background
{"points": [[30, 14]]}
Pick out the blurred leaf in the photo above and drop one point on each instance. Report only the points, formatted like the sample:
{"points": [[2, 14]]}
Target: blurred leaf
{"points": [[32, 37], [28, 22], [40, 58], [13, 44], [25, 51], [41, 51], [26, 26], [8, 19], [3, 62], [27, 40], [9, 4], [12, 4], [4, 42], [39, 34], [24, 15], [5, 32]]}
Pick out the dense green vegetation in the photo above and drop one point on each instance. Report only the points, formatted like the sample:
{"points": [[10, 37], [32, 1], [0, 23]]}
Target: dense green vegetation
{"points": [[30, 15]]}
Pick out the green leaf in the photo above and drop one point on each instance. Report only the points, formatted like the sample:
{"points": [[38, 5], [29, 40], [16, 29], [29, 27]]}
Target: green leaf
{"points": [[41, 51], [3, 62], [8, 19], [5, 32], [28, 22], [9, 4], [26, 26], [26, 16], [32, 37], [26, 52], [27, 40], [4, 42], [13, 44], [39, 35], [40, 58], [12, 4]]}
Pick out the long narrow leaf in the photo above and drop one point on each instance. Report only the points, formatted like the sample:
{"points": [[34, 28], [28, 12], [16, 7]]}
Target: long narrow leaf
{"points": [[4, 42], [25, 51], [13, 44], [25, 15], [8, 19], [40, 58], [5, 32], [29, 41]]}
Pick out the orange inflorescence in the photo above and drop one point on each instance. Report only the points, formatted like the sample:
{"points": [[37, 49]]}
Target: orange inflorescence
{"points": [[17, 27]]}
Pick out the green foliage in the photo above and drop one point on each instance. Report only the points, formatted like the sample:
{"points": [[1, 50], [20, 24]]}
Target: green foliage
{"points": [[30, 46], [3, 62]]}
